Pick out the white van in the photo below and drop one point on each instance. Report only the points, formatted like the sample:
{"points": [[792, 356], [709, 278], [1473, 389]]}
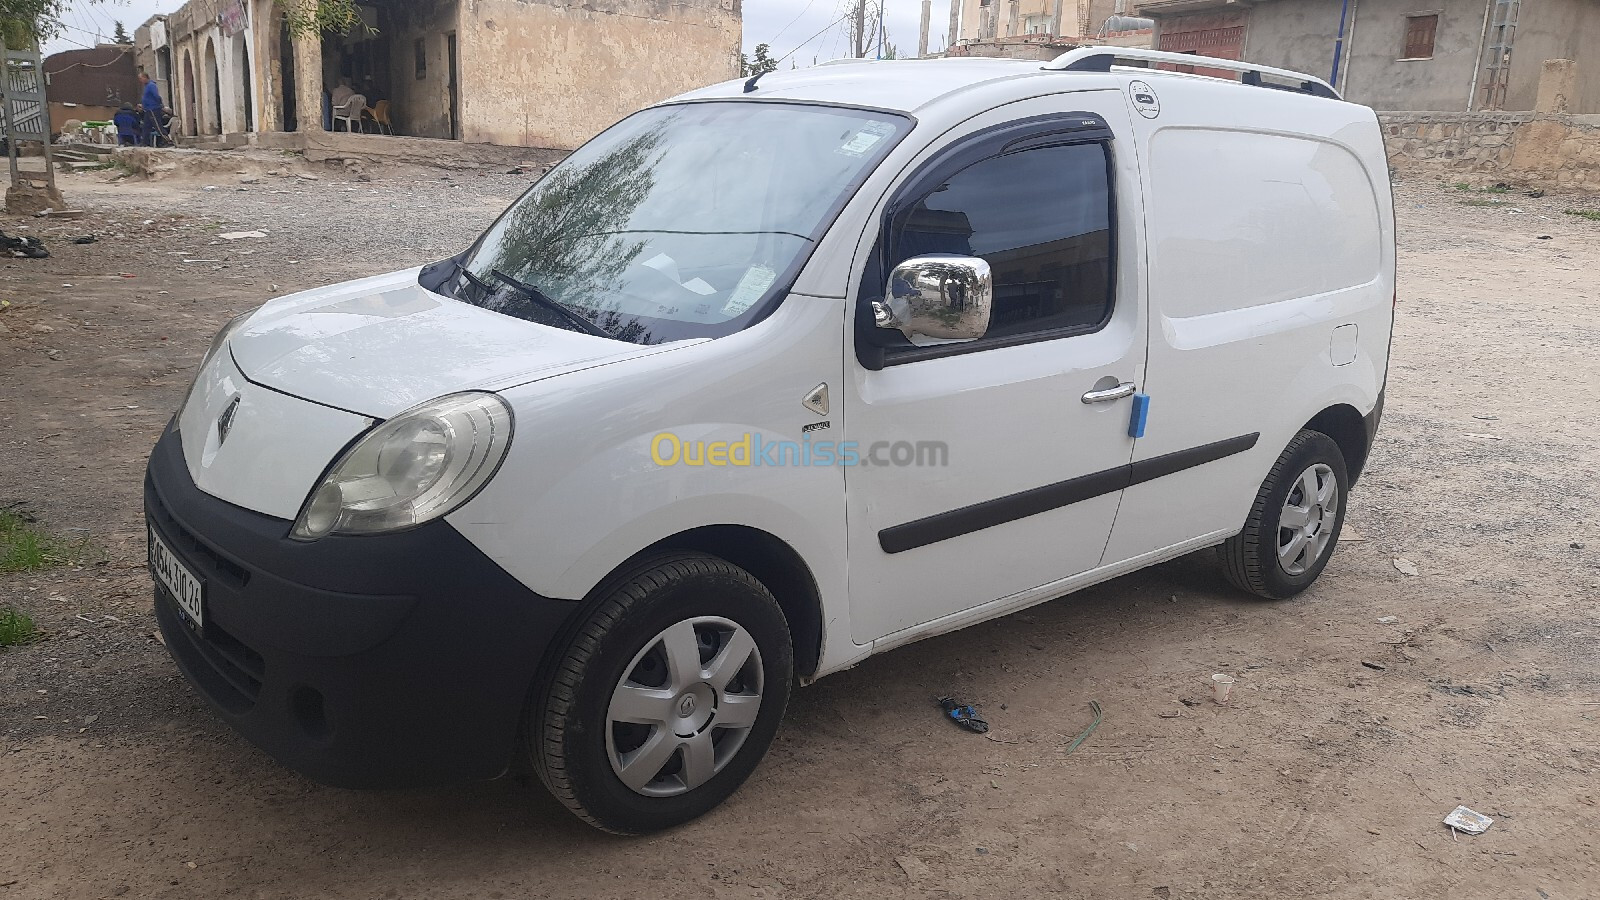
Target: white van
{"points": [[764, 380]]}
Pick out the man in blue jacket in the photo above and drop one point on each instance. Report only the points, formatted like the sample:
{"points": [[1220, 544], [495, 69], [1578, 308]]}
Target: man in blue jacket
{"points": [[151, 101]]}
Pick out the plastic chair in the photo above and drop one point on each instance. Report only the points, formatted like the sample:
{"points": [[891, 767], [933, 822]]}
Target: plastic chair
{"points": [[380, 116], [350, 113]]}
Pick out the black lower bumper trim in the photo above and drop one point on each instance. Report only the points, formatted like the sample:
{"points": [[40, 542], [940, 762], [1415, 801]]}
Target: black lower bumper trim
{"points": [[379, 661]]}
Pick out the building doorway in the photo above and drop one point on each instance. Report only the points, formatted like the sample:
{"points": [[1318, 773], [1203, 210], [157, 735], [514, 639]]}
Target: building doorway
{"points": [[286, 76], [455, 86], [241, 56], [164, 77], [213, 89], [191, 125]]}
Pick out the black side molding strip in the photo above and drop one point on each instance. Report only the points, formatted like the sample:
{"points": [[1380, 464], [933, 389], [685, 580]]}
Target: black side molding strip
{"points": [[1172, 463], [968, 519]]}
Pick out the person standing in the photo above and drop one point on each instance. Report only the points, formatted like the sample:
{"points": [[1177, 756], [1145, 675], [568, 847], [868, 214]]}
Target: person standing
{"points": [[151, 101]]}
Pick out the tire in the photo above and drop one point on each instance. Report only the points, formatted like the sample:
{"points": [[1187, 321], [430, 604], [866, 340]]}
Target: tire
{"points": [[631, 659], [1263, 559]]}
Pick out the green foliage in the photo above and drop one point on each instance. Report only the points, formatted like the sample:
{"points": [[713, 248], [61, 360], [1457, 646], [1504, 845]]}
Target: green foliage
{"points": [[308, 18], [26, 23], [121, 36], [1476, 202], [761, 65], [16, 629], [1592, 215], [24, 548]]}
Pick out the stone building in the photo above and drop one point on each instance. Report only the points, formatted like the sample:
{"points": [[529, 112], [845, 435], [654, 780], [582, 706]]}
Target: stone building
{"points": [[534, 73], [1442, 55], [1041, 29]]}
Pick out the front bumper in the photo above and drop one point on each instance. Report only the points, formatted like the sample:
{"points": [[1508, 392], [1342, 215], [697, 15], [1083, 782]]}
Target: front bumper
{"points": [[378, 661]]}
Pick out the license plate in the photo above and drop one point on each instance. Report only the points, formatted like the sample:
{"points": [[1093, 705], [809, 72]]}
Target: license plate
{"points": [[185, 586]]}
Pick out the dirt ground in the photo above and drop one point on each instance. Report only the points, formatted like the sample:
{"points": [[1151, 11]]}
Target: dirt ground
{"points": [[1327, 777]]}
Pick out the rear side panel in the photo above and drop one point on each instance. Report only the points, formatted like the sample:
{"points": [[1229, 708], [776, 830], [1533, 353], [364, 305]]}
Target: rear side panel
{"points": [[1271, 272]]}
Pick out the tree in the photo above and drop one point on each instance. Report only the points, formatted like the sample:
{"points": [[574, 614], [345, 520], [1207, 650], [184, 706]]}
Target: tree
{"points": [[121, 35], [861, 26], [309, 18], [761, 65], [28, 23]]}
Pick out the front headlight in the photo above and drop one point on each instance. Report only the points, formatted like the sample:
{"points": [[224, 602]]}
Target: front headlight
{"points": [[217, 344], [418, 466]]}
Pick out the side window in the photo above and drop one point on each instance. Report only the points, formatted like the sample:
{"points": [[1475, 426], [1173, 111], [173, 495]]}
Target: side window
{"points": [[1041, 218]]}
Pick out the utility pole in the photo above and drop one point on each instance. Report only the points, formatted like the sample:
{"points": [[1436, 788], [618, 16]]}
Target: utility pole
{"points": [[922, 39], [882, 35], [860, 29]]}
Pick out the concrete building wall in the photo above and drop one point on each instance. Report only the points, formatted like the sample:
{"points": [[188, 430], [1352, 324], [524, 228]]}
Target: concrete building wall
{"points": [[243, 93], [545, 73], [553, 73], [1556, 29], [1300, 35]]}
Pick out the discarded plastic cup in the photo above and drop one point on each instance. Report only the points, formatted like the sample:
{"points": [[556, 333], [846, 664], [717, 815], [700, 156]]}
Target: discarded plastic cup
{"points": [[1221, 688]]}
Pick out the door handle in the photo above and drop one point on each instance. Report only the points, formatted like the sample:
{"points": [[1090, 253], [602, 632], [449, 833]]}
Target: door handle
{"points": [[1125, 389]]}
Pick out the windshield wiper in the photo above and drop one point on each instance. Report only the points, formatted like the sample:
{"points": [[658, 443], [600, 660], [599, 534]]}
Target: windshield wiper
{"points": [[555, 306]]}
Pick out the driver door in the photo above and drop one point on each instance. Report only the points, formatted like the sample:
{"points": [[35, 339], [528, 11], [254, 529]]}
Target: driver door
{"points": [[994, 467]]}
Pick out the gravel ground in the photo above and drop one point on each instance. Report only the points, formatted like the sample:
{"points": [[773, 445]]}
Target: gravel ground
{"points": [[332, 224], [1326, 778]]}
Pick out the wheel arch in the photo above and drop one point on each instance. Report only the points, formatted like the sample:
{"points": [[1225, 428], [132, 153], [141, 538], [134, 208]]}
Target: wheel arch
{"points": [[773, 563], [1348, 428]]}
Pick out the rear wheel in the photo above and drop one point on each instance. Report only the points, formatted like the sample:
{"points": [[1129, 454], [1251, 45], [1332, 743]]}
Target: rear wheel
{"points": [[667, 697], [1294, 523]]}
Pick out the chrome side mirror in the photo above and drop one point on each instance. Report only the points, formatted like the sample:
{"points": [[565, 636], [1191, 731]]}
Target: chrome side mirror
{"points": [[938, 298]]}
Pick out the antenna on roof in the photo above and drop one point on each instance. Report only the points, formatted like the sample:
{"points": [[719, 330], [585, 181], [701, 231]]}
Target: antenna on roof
{"points": [[750, 85]]}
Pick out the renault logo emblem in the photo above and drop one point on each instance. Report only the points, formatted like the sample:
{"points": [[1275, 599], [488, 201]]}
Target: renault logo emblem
{"points": [[225, 421]]}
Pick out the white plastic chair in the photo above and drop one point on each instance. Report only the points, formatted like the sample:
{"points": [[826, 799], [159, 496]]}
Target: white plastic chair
{"points": [[350, 113]]}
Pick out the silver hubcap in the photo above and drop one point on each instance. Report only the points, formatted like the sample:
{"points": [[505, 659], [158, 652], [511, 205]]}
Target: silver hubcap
{"points": [[1305, 527], [684, 706]]}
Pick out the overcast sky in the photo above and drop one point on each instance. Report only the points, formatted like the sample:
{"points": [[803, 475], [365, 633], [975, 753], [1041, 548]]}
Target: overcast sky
{"points": [[785, 24]]}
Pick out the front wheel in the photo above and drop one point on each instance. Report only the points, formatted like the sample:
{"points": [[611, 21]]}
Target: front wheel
{"points": [[1294, 523], [667, 697]]}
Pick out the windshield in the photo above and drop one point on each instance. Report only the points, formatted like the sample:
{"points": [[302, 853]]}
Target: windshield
{"points": [[679, 222]]}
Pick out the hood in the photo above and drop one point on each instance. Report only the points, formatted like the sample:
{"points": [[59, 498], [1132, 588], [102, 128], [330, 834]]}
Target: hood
{"points": [[380, 346]]}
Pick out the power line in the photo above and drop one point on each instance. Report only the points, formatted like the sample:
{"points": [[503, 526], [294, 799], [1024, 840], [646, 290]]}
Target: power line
{"points": [[812, 38], [803, 11]]}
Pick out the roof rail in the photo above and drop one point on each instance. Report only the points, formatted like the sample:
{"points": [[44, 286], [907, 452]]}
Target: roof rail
{"points": [[1100, 59]]}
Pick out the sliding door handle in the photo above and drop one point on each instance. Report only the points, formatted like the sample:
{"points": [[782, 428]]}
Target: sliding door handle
{"points": [[1125, 389]]}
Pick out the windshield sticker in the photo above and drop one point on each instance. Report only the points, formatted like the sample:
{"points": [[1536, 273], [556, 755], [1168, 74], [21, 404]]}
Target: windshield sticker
{"points": [[751, 288], [664, 264], [865, 139], [668, 266]]}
